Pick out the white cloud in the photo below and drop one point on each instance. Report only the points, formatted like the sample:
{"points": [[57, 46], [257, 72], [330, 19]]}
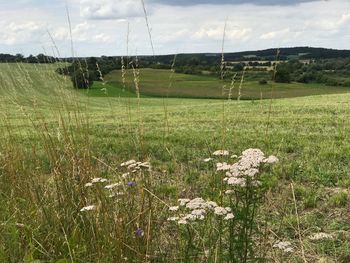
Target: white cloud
{"points": [[216, 33], [110, 9], [275, 34], [98, 28], [15, 33]]}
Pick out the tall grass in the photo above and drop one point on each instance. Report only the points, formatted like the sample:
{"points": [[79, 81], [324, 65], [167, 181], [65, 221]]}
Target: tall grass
{"points": [[69, 193]]}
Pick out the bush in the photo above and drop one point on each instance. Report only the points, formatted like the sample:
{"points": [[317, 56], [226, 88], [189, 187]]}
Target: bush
{"points": [[282, 75], [82, 79], [263, 82]]}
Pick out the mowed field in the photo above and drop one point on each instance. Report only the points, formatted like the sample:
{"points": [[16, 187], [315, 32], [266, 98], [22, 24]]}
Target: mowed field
{"points": [[162, 83], [49, 131]]}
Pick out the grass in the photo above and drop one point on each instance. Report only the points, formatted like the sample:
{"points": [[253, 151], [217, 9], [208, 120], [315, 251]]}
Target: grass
{"points": [[55, 140], [155, 83]]}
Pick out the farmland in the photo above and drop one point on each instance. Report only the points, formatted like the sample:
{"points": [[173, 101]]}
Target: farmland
{"points": [[161, 83], [56, 139]]}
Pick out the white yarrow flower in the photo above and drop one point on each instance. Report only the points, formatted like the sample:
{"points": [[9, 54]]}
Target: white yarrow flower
{"points": [[220, 211], [182, 222], [88, 208], [321, 236], [127, 163], [173, 208], [221, 153], [111, 186], [229, 216], [285, 246], [183, 201], [174, 218], [98, 180], [88, 184], [271, 159]]}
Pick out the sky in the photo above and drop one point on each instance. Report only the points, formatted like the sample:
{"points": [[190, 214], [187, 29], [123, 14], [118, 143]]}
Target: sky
{"points": [[118, 27]]}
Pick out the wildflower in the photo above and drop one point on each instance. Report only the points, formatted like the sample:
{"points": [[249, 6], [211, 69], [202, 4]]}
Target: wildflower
{"points": [[127, 163], [234, 156], [221, 153], [229, 216], [198, 212], [237, 181], [125, 175], [174, 218], [173, 208], [132, 166], [212, 204], [228, 192], [183, 201], [207, 160], [191, 217], [196, 203], [228, 209], [146, 165], [88, 185], [182, 222], [251, 172], [98, 180], [220, 211], [111, 186], [139, 232], [285, 246], [320, 236], [222, 167], [88, 208], [256, 183], [131, 183], [271, 159]]}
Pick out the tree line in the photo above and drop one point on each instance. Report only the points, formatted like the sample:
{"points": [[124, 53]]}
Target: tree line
{"points": [[19, 58]]}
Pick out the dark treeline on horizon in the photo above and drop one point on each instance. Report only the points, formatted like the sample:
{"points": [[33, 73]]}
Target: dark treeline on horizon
{"points": [[267, 54], [19, 58]]}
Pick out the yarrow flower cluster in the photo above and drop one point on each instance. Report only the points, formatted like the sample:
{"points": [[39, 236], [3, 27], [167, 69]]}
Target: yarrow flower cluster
{"points": [[221, 153], [96, 181], [321, 236], [135, 166], [247, 168], [197, 209], [88, 208], [285, 246]]}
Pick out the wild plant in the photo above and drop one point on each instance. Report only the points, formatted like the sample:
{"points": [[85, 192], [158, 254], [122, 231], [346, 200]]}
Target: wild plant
{"points": [[226, 231]]}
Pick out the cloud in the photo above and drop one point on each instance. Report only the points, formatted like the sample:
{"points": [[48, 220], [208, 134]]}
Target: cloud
{"points": [[110, 9], [20, 33], [83, 32], [231, 2], [177, 26], [216, 33]]}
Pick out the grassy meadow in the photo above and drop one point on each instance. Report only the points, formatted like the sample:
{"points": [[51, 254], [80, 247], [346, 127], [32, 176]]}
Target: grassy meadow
{"points": [[161, 83], [55, 141]]}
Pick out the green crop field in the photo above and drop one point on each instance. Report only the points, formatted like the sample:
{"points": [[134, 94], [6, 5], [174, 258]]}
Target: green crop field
{"points": [[54, 140], [161, 83]]}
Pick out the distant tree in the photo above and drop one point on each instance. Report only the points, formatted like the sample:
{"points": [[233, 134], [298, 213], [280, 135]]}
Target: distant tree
{"points": [[81, 79], [282, 75], [32, 59], [19, 58], [81, 76], [238, 67]]}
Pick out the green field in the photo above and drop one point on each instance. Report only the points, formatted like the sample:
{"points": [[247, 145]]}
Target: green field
{"points": [[162, 83], [54, 140]]}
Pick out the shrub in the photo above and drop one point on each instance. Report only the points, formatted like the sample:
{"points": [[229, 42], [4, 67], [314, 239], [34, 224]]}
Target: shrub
{"points": [[263, 82], [82, 79]]}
